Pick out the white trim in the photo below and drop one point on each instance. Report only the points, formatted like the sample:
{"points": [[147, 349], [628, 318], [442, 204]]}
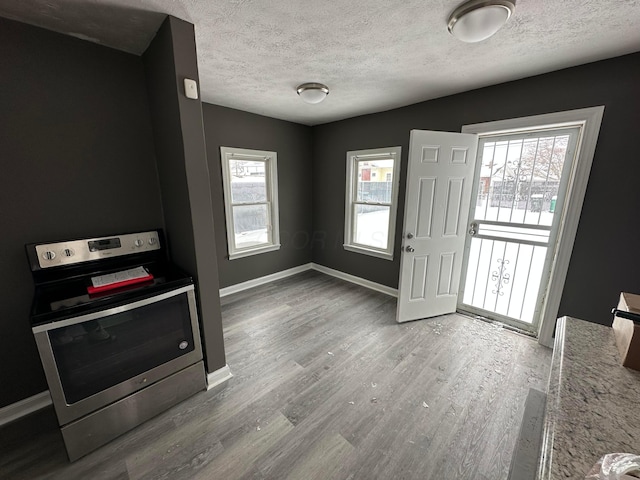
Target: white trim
{"points": [[254, 251], [353, 157], [24, 407], [590, 119], [239, 287], [535, 122], [270, 160], [357, 280], [368, 251], [216, 378]]}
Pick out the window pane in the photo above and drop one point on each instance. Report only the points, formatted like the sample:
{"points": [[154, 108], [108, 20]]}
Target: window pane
{"points": [[375, 180], [372, 225], [248, 181], [250, 223]]}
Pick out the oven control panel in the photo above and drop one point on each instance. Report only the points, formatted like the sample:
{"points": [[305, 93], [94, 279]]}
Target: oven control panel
{"points": [[79, 251]]}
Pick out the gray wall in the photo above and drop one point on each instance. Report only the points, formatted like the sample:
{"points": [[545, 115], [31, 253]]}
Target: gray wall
{"points": [[77, 160], [184, 176], [234, 128], [606, 257]]}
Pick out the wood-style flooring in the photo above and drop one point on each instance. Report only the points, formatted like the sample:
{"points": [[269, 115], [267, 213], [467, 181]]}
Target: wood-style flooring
{"points": [[326, 386]]}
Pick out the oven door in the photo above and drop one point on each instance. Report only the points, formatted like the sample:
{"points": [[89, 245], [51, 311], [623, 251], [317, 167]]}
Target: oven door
{"points": [[93, 360]]}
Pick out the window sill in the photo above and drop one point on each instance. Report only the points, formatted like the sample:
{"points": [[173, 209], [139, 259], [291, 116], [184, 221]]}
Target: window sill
{"points": [[368, 251], [253, 251]]}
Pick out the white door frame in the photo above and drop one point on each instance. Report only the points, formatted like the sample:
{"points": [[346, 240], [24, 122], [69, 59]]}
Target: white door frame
{"points": [[590, 120]]}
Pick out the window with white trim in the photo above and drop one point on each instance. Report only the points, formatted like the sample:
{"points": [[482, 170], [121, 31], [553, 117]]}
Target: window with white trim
{"points": [[250, 183], [372, 201]]}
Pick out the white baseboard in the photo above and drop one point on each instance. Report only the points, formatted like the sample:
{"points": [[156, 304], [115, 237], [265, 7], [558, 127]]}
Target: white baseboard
{"points": [[24, 407], [216, 378], [239, 287], [357, 280]]}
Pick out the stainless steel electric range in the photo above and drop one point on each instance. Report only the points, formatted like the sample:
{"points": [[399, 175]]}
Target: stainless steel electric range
{"points": [[116, 327]]}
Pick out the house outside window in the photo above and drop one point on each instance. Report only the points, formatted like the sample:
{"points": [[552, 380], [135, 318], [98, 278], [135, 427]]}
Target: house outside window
{"points": [[372, 201], [250, 183]]}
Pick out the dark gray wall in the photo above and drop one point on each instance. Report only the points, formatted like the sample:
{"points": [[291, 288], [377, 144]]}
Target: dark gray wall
{"points": [[234, 128], [184, 176], [77, 157], [606, 257]]}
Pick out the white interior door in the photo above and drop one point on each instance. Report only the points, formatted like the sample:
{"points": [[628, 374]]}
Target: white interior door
{"points": [[438, 193]]}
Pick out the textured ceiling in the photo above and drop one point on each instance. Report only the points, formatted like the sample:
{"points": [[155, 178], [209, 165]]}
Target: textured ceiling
{"points": [[373, 54]]}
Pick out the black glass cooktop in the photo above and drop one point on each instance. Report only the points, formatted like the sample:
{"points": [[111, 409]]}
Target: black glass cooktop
{"points": [[64, 299]]}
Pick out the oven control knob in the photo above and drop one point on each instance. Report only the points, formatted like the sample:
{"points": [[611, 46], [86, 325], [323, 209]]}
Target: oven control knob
{"points": [[138, 242], [67, 252], [49, 255]]}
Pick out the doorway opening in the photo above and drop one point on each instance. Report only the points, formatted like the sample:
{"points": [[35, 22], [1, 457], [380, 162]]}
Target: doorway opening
{"points": [[492, 233], [551, 223], [520, 186]]}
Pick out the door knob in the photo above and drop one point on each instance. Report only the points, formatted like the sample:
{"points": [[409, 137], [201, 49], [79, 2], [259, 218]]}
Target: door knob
{"points": [[473, 229], [410, 249], [409, 235]]}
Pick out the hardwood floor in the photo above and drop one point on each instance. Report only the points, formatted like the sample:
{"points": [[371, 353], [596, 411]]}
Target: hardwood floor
{"points": [[326, 386]]}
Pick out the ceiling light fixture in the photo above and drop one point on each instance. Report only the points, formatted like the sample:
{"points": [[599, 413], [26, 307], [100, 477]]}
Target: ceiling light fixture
{"points": [[477, 20], [312, 92]]}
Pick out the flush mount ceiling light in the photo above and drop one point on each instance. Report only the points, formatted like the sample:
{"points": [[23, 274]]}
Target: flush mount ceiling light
{"points": [[312, 92], [477, 20]]}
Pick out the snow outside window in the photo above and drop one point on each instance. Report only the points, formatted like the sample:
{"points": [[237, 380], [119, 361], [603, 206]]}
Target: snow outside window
{"points": [[249, 180], [371, 201]]}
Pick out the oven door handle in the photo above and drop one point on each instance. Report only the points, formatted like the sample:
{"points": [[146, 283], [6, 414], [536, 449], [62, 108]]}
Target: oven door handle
{"points": [[111, 311]]}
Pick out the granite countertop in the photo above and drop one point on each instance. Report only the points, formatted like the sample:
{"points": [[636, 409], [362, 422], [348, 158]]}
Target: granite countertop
{"points": [[593, 403]]}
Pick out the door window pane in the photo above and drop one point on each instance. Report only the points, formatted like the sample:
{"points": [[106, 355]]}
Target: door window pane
{"points": [[504, 277], [520, 179]]}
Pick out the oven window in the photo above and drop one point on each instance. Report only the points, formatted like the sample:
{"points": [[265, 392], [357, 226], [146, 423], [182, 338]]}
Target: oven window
{"points": [[95, 355]]}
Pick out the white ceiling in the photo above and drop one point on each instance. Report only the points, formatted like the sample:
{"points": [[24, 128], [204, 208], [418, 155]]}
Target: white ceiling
{"points": [[373, 54]]}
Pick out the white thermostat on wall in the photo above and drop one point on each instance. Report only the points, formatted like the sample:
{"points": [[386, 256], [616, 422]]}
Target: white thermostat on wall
{"points": [[190, 88]]}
